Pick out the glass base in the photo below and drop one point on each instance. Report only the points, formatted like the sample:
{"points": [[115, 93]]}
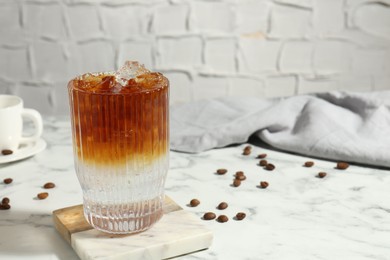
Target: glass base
{"points": [[124, 218]]}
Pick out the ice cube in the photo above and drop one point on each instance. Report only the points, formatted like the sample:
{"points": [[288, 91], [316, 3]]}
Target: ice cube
{"points": [[130, 70]]}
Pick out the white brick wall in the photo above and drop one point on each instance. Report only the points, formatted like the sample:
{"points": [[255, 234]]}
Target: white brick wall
{"points": [[211, 17], [281, 86], [220, 55], [328, 16], [378, 26], [179, 52], [290, 22], [170, 19], [296, 57], [338, 62], [258, 55], [261, 48]]}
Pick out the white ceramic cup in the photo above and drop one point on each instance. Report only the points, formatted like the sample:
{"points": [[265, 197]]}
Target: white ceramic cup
{"points": [[12, 114]]}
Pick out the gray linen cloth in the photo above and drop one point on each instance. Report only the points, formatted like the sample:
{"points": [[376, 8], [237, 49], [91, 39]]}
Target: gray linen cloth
{"points": [[353, 127]]}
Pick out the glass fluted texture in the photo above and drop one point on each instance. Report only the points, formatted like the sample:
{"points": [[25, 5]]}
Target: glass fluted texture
{"points": [[121, 150]]}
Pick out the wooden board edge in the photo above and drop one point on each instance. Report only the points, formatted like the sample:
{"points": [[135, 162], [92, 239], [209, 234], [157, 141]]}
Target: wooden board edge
{"points": [[64, 232], [170, 205]]}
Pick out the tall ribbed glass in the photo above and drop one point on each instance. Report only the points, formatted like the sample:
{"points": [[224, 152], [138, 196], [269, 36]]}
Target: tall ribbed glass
{"points": [[121, 149]]}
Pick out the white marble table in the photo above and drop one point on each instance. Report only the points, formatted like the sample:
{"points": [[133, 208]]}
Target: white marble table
{"points": [[345, 215]]}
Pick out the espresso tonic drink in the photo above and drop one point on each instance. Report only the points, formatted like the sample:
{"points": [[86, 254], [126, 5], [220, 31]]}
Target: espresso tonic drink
{"points": [[121, 146]]}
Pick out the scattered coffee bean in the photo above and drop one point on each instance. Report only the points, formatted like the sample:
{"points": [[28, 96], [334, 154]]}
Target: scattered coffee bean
{"points": [[321, 174], [49, 185], [222, 205], [263, 163], [42, 195], [342, 165], [221, 171], [6, 152], [309, 164], [264, 184], [240, 215], [222, 219], [241, 177], [5, 200], [194, 202], [248, 147], [5, 206], [246, 152], [262, 156], [236, 183], [239, 173], [7, 180], [209, 216], [270, 167]]}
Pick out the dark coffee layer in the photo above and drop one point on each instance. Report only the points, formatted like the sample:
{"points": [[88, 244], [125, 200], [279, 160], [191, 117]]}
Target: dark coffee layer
{"points": [[113, 124]]}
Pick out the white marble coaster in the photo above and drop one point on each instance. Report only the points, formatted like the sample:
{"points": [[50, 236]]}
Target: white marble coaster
{"points": [[178, 232]]}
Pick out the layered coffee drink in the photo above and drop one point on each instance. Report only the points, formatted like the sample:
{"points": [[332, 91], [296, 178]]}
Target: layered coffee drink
{"points": [[121, 146]]}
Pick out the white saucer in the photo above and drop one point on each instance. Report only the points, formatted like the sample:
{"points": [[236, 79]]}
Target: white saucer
{"points": [[24, 151]]}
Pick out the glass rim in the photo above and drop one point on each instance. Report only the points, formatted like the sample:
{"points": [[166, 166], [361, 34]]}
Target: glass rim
{"points": [[161, 85]]}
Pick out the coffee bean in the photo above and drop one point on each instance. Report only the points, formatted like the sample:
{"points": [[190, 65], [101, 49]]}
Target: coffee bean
{"points": [[236, 183], [49, 185], [42, 195], [264, 184], [342, 165], [241, 177], [222, 219], [239, 173], [5, 200], [221, 171], [309, 164], [209, 216], [261, 156], [7, 180], [321, 174], [246, 152], [222, 205], [263, 163], [194, 202], [248, 147], [5, 206], [6, 152], [240, 215], [270, 167]]}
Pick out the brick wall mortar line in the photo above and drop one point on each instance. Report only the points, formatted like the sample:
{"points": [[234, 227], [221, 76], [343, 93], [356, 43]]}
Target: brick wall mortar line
{"points": [[293, 5], [31, 62], [279, 57]]}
